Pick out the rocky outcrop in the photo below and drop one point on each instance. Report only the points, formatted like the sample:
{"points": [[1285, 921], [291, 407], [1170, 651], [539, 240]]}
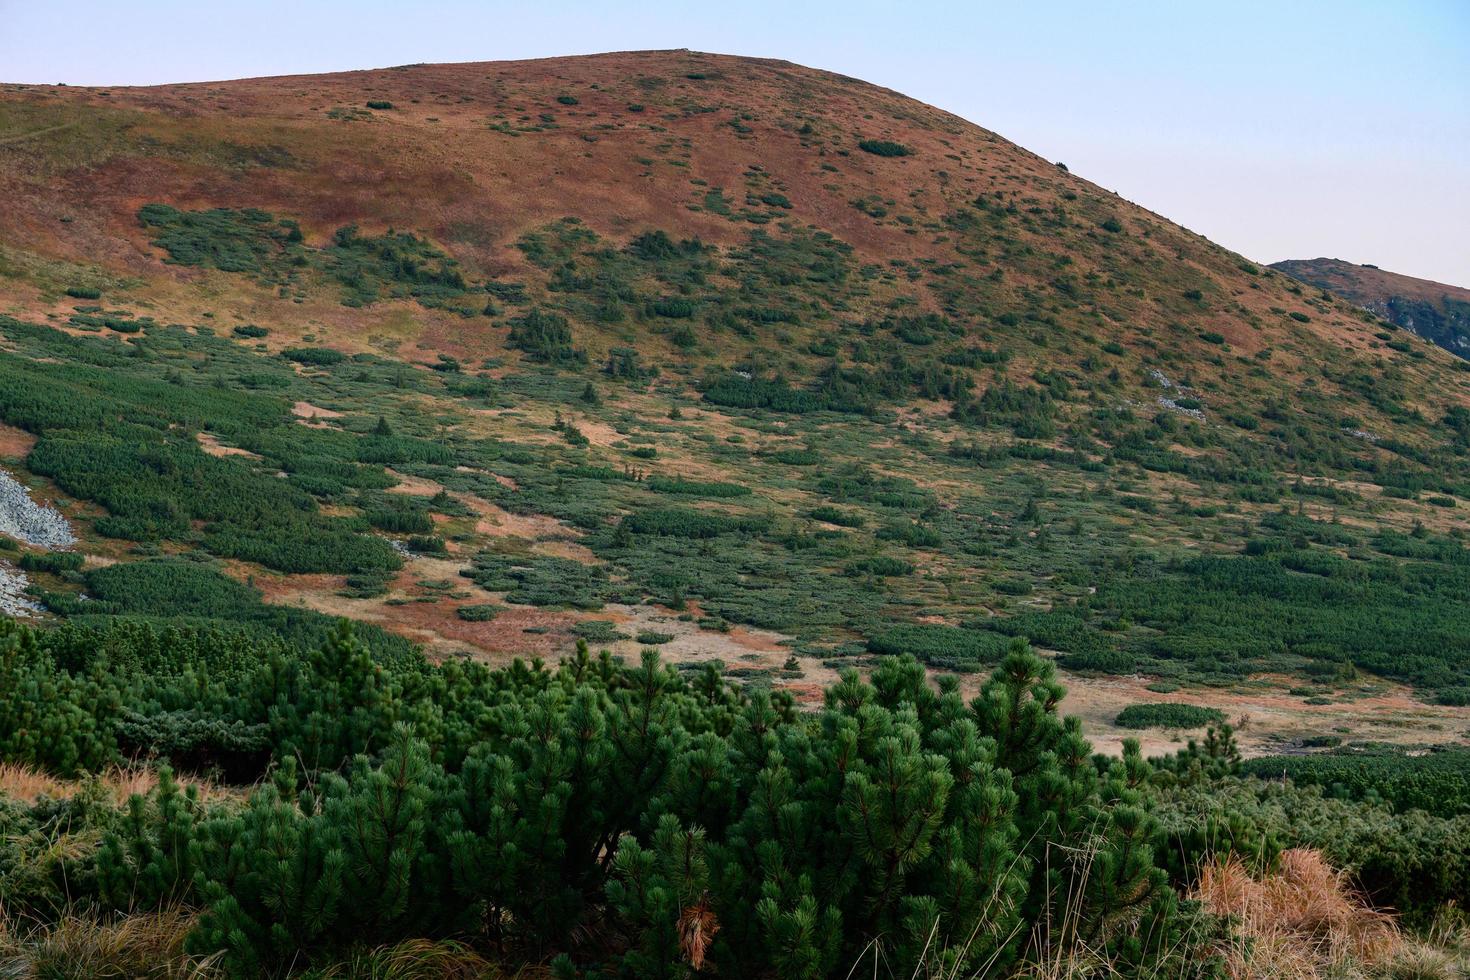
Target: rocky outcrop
{"points": [[1433, 310], [13, 598], [1446, 323], [31, 523]]}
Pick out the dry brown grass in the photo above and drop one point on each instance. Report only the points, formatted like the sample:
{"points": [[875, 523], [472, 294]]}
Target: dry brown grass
{"points": [[422, 959], [147, 947], [150, 946], [1303, 921], [25, 783]]}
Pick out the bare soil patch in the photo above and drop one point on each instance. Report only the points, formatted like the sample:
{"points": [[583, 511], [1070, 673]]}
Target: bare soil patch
{"points": [[1268, 720], [211, 445], [306, 410], [15, 443]]}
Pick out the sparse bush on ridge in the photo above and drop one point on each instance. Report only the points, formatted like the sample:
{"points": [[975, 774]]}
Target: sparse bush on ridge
{"points": [[884, 148], [314, 356], [545, 337]]}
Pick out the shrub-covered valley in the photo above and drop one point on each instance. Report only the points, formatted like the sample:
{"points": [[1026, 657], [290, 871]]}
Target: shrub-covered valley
{"points": [[665, 514]]}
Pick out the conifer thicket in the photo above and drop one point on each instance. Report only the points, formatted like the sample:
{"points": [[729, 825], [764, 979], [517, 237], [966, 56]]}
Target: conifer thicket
{"points": [[621, 820]]}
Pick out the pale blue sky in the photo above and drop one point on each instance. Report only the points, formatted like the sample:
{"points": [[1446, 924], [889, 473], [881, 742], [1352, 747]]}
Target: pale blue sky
{"points": [[1286, 129]]}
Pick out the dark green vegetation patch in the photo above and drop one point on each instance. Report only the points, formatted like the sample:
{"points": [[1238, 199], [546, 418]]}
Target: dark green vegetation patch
{"points": [[365, 268], [884, 148], [413, 768], [247, 240], [1436, 782], [1168, 715]]}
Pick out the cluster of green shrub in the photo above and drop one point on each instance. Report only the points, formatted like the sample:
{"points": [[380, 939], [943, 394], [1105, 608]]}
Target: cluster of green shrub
{"points": [[245, 240], [947, 647], [119, 321], [125, 442], [884, 148], [545, 337], [685, 289], [194, 594], [1414, 861], [1288, 601], [1436, 782], [398, 514], [686, 522], [395, 265], [541, 580], [1331, 614], [1028, 411], [1165, 714], [696, 488], [483, 612], [366, 268], [743, 567], [527, 811], [849, 389]]}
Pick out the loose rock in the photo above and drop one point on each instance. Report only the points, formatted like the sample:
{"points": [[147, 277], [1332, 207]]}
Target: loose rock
{"points": [[26, 521], [13, 598]]}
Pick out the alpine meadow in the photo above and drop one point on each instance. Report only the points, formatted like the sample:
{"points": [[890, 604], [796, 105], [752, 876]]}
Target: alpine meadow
{"points": [[675, 515]]}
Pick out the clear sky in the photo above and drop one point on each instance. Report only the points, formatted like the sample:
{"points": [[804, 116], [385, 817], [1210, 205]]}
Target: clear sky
{"points": [[1286, 129]]}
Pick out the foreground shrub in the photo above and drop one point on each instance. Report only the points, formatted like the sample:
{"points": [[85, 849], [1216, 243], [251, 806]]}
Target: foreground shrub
{"points": [[707, 828]]}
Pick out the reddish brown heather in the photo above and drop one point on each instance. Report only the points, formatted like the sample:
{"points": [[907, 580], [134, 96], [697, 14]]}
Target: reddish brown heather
{"points": [[476, 154]]}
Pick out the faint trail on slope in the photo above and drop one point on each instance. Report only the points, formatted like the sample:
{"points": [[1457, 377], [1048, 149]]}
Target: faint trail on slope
{"points": [[21, 137]]}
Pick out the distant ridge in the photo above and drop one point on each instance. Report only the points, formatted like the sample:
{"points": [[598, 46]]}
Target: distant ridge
{"points": [[1433, 310]]}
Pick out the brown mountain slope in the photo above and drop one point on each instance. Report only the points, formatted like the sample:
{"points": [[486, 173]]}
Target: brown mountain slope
{"points": [[1433, 310], [475, 155]]}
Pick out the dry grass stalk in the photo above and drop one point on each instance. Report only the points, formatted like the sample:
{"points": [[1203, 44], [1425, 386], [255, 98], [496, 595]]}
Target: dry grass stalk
{"points": [[24, 783], [1305, 921], [418, 959], [146, 946], [29, 784]]}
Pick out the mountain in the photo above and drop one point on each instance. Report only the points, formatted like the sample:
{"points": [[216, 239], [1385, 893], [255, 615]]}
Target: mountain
{"points": [[766, 364], [1431, 310], [672, 515]]}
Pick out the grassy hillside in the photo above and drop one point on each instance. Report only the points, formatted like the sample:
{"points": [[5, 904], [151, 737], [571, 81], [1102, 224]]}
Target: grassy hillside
{"points": [[712, 379], [738, 359], [1432, 310]]}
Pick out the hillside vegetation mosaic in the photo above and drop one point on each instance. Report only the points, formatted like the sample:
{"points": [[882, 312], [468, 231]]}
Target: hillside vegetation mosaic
{"points": [[674, 515]]}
